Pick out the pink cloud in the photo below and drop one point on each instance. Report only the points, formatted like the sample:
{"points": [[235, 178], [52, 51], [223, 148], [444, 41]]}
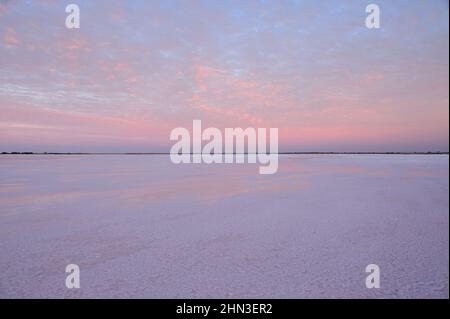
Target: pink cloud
{"points": [[21, 125], [10, 38]]}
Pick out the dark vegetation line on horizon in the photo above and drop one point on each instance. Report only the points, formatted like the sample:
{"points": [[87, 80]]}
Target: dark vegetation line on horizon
{"points": [[166, 153]]}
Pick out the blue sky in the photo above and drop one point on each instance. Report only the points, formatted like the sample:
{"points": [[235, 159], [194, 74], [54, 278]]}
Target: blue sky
{"points": [[137, 69]]}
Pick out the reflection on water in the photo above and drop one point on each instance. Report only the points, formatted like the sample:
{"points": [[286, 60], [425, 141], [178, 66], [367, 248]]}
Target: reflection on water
{"points": [[143, 227], [132, 179], [146, 179]]}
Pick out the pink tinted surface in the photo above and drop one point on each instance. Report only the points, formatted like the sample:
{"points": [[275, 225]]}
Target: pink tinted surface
{"points": [[140, 226]]}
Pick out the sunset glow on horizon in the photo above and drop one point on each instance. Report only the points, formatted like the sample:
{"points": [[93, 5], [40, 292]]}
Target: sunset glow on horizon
{"points": [[137, 69]]}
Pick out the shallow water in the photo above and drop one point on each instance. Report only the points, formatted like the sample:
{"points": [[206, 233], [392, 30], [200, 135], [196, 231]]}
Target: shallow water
{"points": [[140, 226]]}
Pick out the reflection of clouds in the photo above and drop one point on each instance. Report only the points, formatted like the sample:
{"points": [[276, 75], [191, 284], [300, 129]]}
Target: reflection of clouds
{"points": [[204, 188], [208, 189], [143, 181], [427, 173], [139, 180], [310, 165]]}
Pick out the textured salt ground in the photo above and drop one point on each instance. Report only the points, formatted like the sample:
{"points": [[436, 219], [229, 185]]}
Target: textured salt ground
{"points": [[140, 226]]}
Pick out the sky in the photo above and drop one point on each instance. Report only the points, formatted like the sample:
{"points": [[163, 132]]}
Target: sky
{"points": [[135, 70]]}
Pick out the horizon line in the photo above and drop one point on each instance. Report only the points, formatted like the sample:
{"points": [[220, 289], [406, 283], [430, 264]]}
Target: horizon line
{"points": [[280, 153]]}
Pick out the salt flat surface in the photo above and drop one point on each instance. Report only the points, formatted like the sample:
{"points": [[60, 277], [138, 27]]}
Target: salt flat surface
{"points": [[140, 226]]}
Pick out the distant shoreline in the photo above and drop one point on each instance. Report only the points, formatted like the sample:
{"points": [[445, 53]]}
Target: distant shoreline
{"points": [[280, 153]]}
